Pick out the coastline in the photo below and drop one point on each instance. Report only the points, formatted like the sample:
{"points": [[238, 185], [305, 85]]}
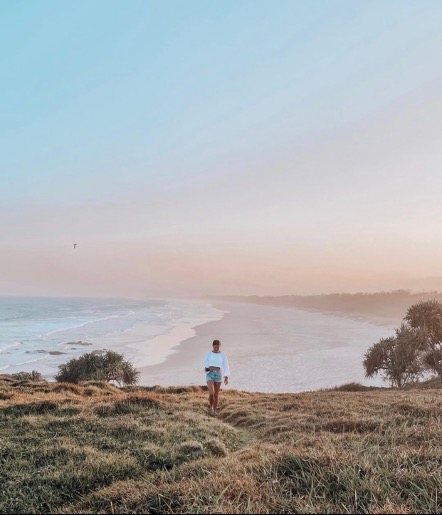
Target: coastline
{"points": [[183, 364], [147, 344], [151, 350], [271, 349], [45, 333]]}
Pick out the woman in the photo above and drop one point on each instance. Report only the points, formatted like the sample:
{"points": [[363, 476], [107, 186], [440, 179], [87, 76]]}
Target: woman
{"points": [[216, 365]]}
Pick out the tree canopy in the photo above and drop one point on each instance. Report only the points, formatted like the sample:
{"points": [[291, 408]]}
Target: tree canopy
{"points": [[415, 348], [397, 357], [427, 316]]}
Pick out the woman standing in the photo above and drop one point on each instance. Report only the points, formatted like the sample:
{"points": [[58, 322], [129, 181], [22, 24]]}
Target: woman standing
{"points": [[216, 365]]}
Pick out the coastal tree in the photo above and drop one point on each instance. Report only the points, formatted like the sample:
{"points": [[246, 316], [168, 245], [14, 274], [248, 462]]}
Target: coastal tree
{"points": [[427, 316], [98, 366], [398, 358]]}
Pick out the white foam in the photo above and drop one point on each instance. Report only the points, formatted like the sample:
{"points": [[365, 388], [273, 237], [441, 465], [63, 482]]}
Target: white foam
{"points": [[31, 360], [11, 346], [77, 326]]}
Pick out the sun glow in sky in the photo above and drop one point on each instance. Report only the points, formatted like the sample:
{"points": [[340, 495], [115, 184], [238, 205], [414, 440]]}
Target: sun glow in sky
{"points": [[234, 147]]}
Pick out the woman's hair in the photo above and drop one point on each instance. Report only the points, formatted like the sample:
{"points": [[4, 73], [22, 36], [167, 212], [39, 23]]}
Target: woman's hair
{"points": [[216, 342]]}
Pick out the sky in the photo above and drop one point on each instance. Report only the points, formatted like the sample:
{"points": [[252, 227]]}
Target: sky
{"points": [[229, 147]]}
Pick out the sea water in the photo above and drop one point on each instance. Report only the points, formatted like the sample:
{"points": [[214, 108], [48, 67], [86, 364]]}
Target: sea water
{"points": [[40, 333]]}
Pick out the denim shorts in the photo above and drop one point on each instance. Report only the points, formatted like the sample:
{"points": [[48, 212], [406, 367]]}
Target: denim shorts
{"points": [[214, 375]]}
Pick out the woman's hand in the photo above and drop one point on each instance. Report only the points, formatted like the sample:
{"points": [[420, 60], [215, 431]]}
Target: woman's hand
{"points": [[226, 380]]}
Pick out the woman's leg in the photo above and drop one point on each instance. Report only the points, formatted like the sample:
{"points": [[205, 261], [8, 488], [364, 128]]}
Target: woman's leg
{"points": [[216, 388], [211, 396]]}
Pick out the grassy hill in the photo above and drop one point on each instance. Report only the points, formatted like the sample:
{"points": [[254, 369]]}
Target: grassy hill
{"points": [[96, 448]]}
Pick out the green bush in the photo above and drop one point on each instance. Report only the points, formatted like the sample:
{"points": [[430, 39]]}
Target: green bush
{"points": [[98, 366]]}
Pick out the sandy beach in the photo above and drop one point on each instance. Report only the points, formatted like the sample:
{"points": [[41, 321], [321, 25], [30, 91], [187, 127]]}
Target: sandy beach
{"points": [[274, 349]]}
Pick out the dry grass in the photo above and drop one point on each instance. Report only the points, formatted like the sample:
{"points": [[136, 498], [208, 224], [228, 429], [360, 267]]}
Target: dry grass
{"points": [[96, 448]]}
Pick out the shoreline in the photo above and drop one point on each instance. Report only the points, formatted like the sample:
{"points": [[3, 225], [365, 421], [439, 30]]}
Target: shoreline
{"points": [[146, 332], [263, 339], [148, 345], [162, 346], [182, 356]]}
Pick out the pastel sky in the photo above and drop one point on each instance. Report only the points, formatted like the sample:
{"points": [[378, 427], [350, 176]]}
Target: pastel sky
{"points": [[224, 147]]}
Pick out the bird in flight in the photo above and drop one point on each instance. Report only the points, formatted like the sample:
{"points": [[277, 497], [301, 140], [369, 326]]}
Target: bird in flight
{"points": [[75, 244]]}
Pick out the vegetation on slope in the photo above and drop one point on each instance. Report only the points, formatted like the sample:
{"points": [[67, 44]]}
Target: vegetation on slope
{"points": [[98, 365], [97, 448]]}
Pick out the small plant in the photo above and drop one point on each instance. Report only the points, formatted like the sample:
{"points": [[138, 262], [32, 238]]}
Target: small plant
{"points": [[98, 366], [28, 376], [352, 387]]}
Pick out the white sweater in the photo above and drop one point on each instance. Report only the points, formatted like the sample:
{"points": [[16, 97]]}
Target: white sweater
{"points": [[217, 359]]}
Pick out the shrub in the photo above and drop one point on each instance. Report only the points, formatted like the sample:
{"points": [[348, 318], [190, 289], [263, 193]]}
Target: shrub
{"points": [[98, 366], [28, 376], [352, 387]]}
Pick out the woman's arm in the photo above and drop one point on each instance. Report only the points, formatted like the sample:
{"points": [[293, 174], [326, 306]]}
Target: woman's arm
{"points": [[226, 369], [206, 362]]}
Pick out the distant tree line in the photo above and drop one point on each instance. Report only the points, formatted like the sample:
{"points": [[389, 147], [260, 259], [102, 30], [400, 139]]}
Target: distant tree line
{"points": [[391, 304], [415, 348]]}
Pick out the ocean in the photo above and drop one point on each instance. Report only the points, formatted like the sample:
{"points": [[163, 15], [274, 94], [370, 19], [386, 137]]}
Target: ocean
{"points": [[41, 333]]}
